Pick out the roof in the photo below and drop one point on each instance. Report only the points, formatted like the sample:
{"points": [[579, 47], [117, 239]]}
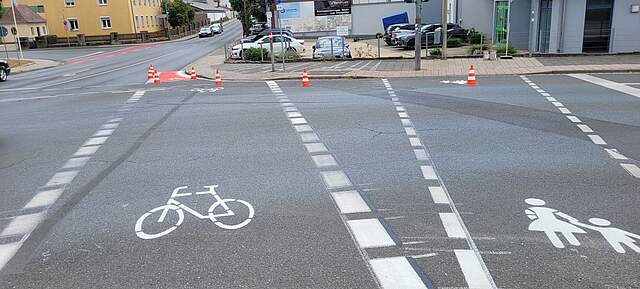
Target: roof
{"points": [[207, 5], [24, 15]]}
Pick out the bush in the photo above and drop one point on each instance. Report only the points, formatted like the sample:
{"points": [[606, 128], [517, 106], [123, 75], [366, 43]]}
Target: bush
{"points": [[476, 49], [435, 52], [253, 54], [474, 37], [502, 48], [288, 55], [454, 42]]}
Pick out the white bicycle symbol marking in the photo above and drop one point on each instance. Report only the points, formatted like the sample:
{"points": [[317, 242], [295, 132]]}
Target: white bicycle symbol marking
{"points": [[179, 208]]}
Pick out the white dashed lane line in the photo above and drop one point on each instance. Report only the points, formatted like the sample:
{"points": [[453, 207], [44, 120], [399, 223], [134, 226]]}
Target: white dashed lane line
{"points": [[368, 232], [613, 153], [22, 226], [470, 260]]}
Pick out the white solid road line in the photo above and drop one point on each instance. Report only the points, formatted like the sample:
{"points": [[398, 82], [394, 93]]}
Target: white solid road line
{"points": [[472, 269], [438, 195], [44, 198], [608, 84], [350, 202], [21, 225], [26, 98], [335, 179], [395, 273], [61, 178], [428, 173], [370, 233], [632, 169], [452, 225]]}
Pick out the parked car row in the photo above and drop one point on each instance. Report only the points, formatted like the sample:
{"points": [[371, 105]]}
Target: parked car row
{"points": [[213, 29], [404, 35], [280, 41], [5, 70]]}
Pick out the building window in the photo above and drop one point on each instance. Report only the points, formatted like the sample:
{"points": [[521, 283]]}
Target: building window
{"points": [[33, 32], [39, 9], [105, 21], [102, 2], [73, 24], [44, 30], [69, 3]]}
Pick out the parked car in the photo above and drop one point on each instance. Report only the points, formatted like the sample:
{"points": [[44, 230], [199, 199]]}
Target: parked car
{"points": [[331, 46], [397, 30], [428, 35], [257, 28], [254, 38], [5, 70], [205, 32], [216, 28], [387, 32], [290, 44]]}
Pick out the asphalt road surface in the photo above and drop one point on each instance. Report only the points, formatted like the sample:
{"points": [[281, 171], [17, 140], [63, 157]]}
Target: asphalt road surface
{"points": [[520, 182]]}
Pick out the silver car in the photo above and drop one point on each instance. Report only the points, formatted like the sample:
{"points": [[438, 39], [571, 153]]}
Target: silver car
{"points": [[331, 46]]}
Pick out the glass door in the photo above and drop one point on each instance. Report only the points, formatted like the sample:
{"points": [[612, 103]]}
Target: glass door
{"points": [[597, 26], [500, 25], [544, 25]]}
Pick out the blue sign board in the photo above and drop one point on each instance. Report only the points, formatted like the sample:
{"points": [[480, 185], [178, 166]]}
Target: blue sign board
{"points": [[291, 10]]}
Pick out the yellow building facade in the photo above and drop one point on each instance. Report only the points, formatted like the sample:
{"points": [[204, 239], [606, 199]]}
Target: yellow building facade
{"points": [[99, 17]]}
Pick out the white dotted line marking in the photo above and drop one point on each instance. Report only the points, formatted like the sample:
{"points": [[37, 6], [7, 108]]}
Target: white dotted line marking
{"points": [[632, 169], [476, 273], [54, 188]]}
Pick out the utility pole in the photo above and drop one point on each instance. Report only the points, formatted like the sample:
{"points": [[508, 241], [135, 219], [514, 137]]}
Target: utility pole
{"points": [[418, 35], [445, 31]]}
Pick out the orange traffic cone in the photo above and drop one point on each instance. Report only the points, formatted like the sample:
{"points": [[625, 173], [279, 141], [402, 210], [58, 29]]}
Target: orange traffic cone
{"points": [[150, 74], [305, 78], [218, 78], [193, 73], [156, 79], [471, 80]]}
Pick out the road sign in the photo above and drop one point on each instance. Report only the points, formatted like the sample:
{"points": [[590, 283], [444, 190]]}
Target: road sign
{"points": [[342, 30], [3, 31], [14, 31]]}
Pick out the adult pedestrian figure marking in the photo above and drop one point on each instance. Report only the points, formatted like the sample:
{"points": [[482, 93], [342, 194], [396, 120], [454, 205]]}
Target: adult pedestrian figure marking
{"points": [[616, 237], [546, 220]]}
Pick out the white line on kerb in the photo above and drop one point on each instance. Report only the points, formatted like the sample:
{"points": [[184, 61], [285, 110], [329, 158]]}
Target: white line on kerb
{"points": [[7, 251], [438, 195], [396, 272], [315, 147], [21, 225], [303, 128], [370, 233], [75, 162], [350, 202], [564, 110], [44, 198], [472, 269], [452, 225], [61, 178], [551, 99], [574, 119], [414, 141], [323, 161], [632, 169], [298, 121], [86, 151], [410, 131], [335, 179], [95, 141]]}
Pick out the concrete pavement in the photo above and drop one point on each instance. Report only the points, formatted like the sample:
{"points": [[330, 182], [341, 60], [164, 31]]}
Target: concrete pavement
{"points": [[373, 183], [458, 67]]}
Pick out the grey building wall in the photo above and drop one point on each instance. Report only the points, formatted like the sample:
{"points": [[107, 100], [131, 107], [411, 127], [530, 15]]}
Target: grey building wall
{"points": [[476, 14], [625, 35], [367, 18], [432, 11]]}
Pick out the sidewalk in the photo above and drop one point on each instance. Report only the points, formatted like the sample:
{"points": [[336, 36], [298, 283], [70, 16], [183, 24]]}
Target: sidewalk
{"points": [[34, 64], [373, 68]]}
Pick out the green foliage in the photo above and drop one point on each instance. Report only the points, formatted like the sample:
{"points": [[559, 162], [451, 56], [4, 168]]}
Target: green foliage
{"points": [[502, 48], [476, 49], [454, 42], [435, 52], [248, 10], [180, 13], [253, 54], [475, 37]]}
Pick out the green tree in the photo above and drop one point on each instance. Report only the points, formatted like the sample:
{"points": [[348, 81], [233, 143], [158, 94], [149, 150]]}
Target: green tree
{"points": [[248, 10], [180, 13]]}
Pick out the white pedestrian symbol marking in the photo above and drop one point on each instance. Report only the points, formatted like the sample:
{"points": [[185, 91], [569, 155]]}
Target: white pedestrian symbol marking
{"points": [[553, 222], [214, 215]]}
